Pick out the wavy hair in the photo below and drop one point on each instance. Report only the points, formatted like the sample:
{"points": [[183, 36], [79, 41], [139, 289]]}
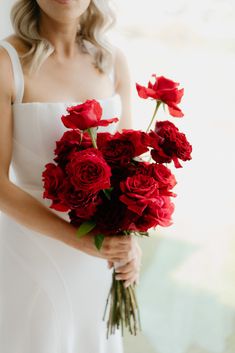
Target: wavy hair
{"points": [[91, 35]]}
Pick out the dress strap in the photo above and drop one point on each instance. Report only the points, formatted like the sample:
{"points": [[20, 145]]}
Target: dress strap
{"points": [[17, 70]]}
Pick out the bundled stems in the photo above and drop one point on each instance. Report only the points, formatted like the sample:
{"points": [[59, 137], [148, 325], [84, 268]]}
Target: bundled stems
{"points": [[123, 310]]}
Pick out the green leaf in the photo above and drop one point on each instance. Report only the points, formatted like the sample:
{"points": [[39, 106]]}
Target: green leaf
{"points": [[146, 234], [107, 193], [140, 234], [85, 228], [99, 238]]}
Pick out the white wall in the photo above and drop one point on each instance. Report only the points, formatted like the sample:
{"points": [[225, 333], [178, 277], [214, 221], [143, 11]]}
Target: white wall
{"points": [[5, 25]]}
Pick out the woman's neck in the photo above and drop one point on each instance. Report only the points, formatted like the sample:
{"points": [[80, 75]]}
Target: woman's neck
{"points": [[61, 35]]}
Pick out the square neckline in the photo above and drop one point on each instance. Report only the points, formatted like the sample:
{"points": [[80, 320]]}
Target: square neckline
{"points": [[116, 94], [20, 82]]}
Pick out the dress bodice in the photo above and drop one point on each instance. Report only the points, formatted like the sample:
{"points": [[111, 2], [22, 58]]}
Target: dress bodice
{"points": [[37, 125]]}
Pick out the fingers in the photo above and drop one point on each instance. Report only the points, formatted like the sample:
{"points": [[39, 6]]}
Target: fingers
{"points": [[128, 273], [116, 248], [120, 256], [131, 270], [134, 281], [126, 268], [126, 277], [119, 248]]}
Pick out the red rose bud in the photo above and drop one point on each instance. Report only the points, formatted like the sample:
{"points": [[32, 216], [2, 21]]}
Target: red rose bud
{"points": [[164, 90], [85, 116], [88, 171]]}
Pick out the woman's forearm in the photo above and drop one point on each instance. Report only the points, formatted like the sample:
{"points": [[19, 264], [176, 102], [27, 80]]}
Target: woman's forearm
{"points": [[28, 211]]}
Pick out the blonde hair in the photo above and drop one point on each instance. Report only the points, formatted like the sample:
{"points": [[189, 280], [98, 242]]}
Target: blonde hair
{"points": [[91, 34]]}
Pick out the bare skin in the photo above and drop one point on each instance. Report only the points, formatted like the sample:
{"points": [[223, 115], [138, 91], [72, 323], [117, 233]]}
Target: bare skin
{"points": [[69, 76]]}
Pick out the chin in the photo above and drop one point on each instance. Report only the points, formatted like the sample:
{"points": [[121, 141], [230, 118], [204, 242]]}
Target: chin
{"points": [[63, 11]]}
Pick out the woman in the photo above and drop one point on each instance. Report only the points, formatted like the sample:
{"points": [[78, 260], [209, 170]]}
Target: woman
{"points": [[54, 286]]}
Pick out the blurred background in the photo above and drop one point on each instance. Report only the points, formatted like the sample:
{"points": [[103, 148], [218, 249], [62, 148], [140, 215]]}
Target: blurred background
{"points": [[187, 288]]}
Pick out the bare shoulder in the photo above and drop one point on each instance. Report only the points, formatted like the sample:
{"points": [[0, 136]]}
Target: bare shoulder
{"points": [[4, 57], [6, 70], [17, 43], [6, 75], [20, 46]]}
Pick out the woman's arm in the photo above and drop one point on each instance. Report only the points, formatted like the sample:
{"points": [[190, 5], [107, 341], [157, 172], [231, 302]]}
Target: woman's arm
{"points": [[17, 203], [124, 86]]}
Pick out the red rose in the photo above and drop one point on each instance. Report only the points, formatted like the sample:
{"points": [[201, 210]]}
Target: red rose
{"points": [[55, 185], [158, 212], [156, 142], [71, 141], [86, 115], [88, 171], [103, 138], [80, 199], [139, 139], [87, 212], [138, 191], [166, 180], [120, 148], [117, 151], [164, 90], [173, 144], [137, 167], [164, 212], [164, 177], [83, 203]]}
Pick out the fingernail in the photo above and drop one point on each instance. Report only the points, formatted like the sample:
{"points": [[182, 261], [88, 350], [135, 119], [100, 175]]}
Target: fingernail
{"points": [[117, 277]]}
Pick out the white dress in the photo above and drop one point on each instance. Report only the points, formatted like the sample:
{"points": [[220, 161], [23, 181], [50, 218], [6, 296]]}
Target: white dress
{"points": [[52, 297]]}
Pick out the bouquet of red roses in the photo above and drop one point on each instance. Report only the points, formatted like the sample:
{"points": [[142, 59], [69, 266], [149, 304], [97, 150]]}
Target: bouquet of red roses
{"points": [[105, 184]]}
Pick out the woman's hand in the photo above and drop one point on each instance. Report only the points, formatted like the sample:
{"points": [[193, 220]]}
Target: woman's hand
{"points": [[130, 272], [115, 248]]}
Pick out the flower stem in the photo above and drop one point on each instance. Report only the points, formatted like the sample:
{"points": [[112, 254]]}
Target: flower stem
{"points": [[154, 114], [92, 135]]}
